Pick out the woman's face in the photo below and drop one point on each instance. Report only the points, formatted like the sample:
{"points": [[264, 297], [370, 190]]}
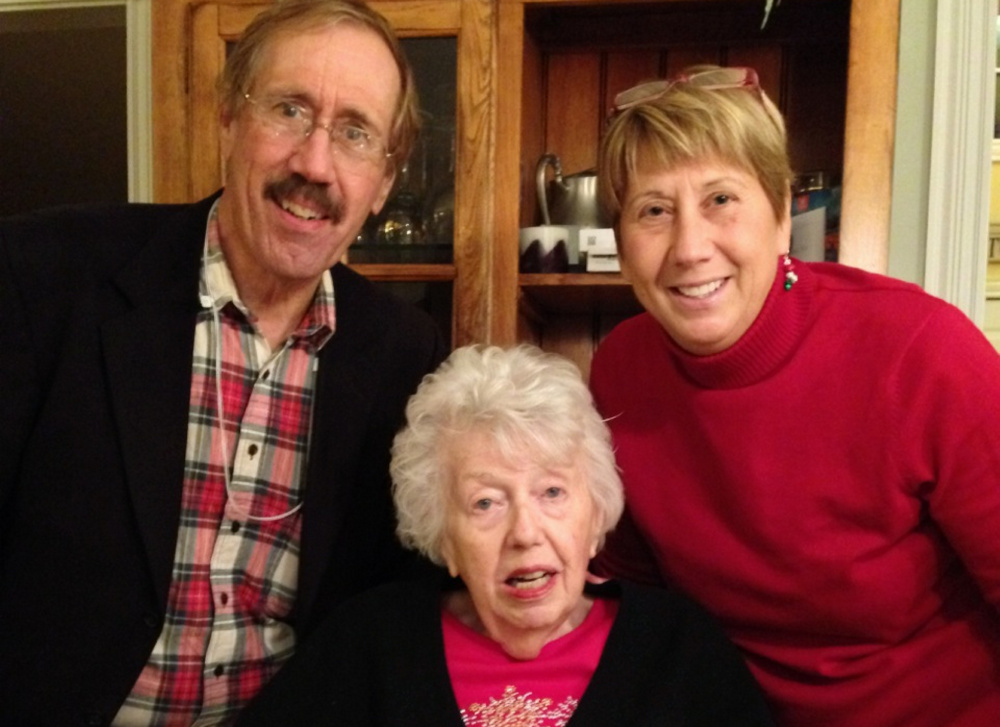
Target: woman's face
{"points": [[520, 535], [699, 243]]}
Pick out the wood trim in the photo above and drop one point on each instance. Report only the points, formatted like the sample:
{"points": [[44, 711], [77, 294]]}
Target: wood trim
{"points": [[207, 59], [477, 306], [170, 102], [510, 51], [869, 134]]}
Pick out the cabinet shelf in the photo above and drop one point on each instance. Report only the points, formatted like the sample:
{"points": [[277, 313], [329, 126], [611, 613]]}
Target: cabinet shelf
{"points": [[578, 293], [425, 272]]}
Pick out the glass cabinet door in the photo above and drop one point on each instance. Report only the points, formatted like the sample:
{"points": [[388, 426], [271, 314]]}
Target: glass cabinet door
{"points": [[417, 223]]}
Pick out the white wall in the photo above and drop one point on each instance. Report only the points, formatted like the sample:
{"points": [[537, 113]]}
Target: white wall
{"points": [[911, 165]]}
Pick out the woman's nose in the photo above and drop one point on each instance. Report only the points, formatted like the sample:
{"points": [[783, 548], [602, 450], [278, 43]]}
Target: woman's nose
{"points": [[524, 528], [692, 238]]}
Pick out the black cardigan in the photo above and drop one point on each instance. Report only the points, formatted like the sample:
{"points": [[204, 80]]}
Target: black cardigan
{"points": [[380, 661]]}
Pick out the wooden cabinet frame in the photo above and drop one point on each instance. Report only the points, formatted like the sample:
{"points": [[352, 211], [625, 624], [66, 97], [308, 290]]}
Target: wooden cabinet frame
{"points": [[490, 132]]}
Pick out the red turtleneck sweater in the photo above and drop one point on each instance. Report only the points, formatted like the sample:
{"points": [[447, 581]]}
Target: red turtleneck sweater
{"points": [[830, 488]]}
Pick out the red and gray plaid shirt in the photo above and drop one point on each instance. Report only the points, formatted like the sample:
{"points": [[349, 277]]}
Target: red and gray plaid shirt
{"points": [[235, 570]]}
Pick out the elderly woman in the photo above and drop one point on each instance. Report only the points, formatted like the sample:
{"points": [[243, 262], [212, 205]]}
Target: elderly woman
{"points": [[810, 451], [505, 474]]}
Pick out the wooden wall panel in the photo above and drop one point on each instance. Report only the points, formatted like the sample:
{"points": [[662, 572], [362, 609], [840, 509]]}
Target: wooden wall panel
{"points": [[573, 109], [685, 56], [815, 111], [625, 69], [767, 60]]}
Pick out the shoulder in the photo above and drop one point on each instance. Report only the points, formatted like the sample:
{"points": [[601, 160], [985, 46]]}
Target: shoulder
{"points": [[360, 297], [92, 221], [672, 660], [846, 288], [662, 625], [885, 314], [635, 339], [654, 612], [92, 236], [394, 332], [678, 611]]}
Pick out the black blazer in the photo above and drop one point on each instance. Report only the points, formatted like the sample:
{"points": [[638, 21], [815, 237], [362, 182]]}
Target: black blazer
{"points": [[97, 314]]}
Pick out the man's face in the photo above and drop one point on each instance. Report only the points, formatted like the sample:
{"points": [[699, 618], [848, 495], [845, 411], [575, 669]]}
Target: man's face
{"points": [[293, 205]]}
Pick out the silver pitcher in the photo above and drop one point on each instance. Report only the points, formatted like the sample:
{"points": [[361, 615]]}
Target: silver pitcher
{"points": [[569, 200]]}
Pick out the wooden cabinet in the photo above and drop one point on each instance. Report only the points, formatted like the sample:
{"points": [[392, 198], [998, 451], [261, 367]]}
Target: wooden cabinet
{"points": [[536, 76]]}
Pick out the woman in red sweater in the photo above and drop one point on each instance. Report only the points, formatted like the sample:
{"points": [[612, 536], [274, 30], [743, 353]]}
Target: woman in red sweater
{"points": [[811, 451]]}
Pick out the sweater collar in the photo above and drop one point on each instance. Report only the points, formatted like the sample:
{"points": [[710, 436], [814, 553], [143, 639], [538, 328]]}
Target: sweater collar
{"points": [[768, 343]]}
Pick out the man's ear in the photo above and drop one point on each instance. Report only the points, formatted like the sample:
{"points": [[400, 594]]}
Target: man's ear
{"points": [[226, 130], [383, 193]]}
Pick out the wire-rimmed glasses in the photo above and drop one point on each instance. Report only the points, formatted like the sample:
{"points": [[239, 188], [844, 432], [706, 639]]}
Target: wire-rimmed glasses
{"points": [[292, 120], [711, 79]]}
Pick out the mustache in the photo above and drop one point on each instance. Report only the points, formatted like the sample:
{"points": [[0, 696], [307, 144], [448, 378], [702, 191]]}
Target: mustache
{"points": [[316, 194]]}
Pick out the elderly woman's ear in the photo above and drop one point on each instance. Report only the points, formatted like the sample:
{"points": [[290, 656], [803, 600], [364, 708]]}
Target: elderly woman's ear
{"points": [[448, 556]]}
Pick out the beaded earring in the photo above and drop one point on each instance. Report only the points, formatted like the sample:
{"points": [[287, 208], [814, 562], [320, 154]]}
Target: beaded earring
{"points": [[790, 276]]}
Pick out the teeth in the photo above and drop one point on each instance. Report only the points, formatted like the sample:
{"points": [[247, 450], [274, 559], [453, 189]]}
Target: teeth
{"points": [[700, 291], [298, 210], [529, 580]]}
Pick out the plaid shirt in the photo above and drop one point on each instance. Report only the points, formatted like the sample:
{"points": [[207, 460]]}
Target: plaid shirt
{"points": [[235, 571]]}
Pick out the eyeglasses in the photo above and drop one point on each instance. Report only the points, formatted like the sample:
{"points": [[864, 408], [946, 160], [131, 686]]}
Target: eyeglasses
{"points": [[294, 121], [712, 79]]}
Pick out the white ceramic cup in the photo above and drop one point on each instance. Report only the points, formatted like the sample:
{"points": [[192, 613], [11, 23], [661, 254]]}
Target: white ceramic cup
{"points": [[544, 249]]}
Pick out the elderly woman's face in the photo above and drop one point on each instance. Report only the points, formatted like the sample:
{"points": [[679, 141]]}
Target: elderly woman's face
{"points": [[520, 535], [700, 244]]}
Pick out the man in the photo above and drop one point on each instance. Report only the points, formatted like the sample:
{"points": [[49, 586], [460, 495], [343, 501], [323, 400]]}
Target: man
{"points": [[199, 401]]}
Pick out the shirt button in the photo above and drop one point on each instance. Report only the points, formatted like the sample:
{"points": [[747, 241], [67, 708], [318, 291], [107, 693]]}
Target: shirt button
{"points": [[252, 449], [266, 375], [234, 528], [219, 670], [224, 598]]}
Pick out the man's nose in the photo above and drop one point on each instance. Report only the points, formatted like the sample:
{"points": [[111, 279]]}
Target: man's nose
{"points": [[315, 158]]}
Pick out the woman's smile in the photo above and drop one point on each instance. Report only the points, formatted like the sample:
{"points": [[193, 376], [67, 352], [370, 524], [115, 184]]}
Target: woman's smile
{"points": [[702, 290]]}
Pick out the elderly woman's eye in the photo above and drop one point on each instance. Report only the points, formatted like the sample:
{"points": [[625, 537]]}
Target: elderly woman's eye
{"points": [[720, 199], [483, 503], [553, 492]]}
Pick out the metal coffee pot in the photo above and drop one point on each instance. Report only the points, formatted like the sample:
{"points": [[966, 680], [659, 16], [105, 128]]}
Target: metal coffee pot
{"points": [[567, 200]]}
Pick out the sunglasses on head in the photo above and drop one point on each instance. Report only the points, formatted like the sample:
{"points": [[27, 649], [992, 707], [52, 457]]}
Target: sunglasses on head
{"points": [[711, 79]]}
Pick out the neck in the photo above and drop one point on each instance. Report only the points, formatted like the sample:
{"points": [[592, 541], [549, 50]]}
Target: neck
{"points": [[519, 643], [277, 304], [277, 318]]}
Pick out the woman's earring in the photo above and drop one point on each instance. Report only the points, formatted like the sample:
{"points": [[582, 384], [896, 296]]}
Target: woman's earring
{"points": [[790, 276]]}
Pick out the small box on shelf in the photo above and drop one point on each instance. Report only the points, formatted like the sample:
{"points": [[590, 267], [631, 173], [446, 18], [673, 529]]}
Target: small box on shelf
{"points": [[597, 246]]}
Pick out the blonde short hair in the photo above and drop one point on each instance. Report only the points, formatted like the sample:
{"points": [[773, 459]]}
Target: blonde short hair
{"points": [[740, 126]]}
